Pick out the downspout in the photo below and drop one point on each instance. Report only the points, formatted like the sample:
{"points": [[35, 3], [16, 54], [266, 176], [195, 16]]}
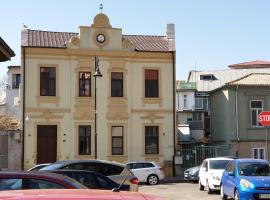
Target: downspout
{"points": [[237, 120], [23, 108], [174, 113]]}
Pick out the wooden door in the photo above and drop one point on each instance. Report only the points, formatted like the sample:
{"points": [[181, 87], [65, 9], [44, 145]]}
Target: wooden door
{"points": [[46, 143]]}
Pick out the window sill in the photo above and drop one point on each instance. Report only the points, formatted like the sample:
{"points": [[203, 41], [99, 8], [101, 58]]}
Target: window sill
{"points": [[256, 128]]}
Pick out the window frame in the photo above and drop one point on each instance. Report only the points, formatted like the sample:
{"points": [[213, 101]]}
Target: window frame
{"points": [[46, 81], [114, 85], [117, 137], [151, 84], [257, 112], [89, 82], [146, 150], [259, 152], [84, 137], [16, 80]]}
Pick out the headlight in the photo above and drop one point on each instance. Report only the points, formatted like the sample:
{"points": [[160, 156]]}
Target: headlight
{"points": [[216, 178], [246, 183]]}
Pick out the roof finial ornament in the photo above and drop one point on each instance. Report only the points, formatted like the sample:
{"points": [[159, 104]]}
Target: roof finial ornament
{"points": [[101, 7]]}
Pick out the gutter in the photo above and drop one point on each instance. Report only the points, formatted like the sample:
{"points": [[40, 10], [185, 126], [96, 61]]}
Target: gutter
{"points": [[237, 120], [174, 112], [23, 108]]}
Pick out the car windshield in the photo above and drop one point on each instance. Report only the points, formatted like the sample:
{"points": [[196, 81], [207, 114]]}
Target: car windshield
{"points": [[51, 167], [218, 164], [253, 169]]}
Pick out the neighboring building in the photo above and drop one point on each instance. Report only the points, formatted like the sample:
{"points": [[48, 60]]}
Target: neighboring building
{"points": [[234, 113], [5, 51], [135, 99], [13, 98]]}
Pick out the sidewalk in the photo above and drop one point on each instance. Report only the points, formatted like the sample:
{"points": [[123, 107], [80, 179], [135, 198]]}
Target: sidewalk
{"points": [[173, 179]]}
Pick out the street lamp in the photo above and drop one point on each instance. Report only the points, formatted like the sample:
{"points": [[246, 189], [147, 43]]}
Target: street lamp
{"points": [[96, 74]]}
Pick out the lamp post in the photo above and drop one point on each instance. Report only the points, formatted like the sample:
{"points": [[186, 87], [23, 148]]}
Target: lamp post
{"points": [[96, 74]]}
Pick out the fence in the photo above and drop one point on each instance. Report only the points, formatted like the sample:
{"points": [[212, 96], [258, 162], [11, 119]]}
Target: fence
{"points": [[193, 155]]}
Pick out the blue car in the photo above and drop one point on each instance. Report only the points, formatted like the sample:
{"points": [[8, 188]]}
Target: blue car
{"points": [[246, 179]]}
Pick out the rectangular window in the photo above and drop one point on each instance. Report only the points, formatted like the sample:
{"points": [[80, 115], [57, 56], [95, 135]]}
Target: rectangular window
{"points": [[84, 140], [47, 81], [151, 83], [117, 140], [185, 101], [117, 84], [151, 139], [85, 84], [201, 103], [256, 107], [16, 80], [258, 153]]}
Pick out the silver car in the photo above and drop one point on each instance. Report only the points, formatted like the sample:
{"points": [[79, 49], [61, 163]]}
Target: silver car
{"points": [[116, 171]]}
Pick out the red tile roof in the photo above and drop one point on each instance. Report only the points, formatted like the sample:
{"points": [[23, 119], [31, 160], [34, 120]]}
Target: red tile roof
{"points": [[5, 51], [48, 39], [253, 79], [252, 64]]}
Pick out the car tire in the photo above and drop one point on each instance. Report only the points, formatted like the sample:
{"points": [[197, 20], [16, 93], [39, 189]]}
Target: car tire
{"points": [[208, 189], [201, 187], [223, 196], [236, 195], [152, 179]]}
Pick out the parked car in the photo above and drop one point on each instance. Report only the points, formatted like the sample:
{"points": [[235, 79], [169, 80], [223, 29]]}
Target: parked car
{"points": [[78, 194], [210, 173], [93, 180], [246, 179], [147, 172], [36, 180], [38, 167], [116, 171], [192, 174]]}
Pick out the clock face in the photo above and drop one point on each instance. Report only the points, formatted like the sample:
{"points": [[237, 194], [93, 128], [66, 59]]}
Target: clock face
{"points": [[101, 38]]}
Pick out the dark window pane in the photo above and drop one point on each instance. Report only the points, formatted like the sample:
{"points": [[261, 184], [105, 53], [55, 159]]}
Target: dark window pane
{"points": [[151, 83], [84, 140], [85, 84], [117, 84], [256, 104], [47, 81], [151, 140], [16, 80], [117, 140]]}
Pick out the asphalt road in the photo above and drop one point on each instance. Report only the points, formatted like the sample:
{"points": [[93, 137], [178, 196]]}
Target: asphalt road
{"points": [[176, 191]]}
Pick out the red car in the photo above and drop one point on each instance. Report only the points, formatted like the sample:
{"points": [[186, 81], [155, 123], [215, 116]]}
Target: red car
{"points": [[36, 180], [74, 195]]}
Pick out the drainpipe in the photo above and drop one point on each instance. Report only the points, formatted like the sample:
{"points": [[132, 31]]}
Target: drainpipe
{"points": [[174, 112], [237, 120], [23, 107]]}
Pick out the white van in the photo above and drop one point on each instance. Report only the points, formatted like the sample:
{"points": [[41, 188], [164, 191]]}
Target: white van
{"points": [[211, 172]]}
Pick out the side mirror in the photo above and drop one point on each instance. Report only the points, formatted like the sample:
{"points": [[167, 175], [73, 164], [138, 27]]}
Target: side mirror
{"points": [[231, 173], [204, 169]]}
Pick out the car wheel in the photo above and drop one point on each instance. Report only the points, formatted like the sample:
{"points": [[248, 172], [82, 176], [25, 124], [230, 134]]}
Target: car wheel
{"points": [[223, 196], [152, 179], [201, 187], [208, 189], [236, 195]]}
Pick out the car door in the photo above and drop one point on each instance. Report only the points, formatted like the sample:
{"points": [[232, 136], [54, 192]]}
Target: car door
{"points": [[231, 180], [139, 172]]}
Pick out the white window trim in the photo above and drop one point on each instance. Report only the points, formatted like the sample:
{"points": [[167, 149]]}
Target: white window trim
{"points": [[258, 148], [250, 112]]}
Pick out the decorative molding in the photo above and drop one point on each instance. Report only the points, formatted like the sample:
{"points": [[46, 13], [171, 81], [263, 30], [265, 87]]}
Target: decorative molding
{"points": [[118, 158], [142, 111], [101, 21], [127, 45], [84, 110], [117, 109], [48, 99], [152, 101], [42, 110], [152, 117], [74, 42], [47, 115]]}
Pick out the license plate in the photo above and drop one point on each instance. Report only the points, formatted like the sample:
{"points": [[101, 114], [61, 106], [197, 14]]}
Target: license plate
{"points": [[264, 196]]}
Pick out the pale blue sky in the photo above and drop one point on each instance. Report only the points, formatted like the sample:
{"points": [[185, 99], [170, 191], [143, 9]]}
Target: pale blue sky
{"points": [[211, 33]]}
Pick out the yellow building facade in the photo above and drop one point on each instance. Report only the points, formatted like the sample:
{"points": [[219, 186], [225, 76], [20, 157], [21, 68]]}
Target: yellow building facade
{"points": [[134, 100]]}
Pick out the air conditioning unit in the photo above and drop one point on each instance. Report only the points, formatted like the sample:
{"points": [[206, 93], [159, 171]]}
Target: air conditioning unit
{"points": [[17, 101]]}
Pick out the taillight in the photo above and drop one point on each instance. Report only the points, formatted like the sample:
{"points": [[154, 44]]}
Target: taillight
{"points": [[134, 181]]}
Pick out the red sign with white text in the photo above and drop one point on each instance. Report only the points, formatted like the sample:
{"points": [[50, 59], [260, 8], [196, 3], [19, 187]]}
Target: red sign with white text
{"points": [[264, 118]]}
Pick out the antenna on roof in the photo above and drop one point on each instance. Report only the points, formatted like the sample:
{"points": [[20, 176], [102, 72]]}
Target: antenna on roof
{"points": [[100, 7]]}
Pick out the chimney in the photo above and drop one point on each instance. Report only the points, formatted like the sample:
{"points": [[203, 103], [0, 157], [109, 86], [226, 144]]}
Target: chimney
{"points": [[170, 31], [171, 36]]}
